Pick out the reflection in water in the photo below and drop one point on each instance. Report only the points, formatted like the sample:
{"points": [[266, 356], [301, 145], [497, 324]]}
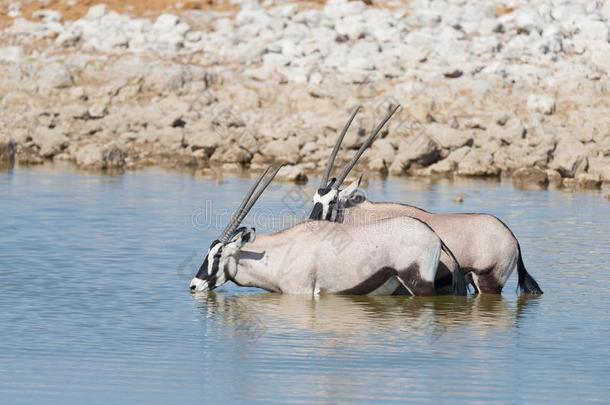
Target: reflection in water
{"points": [[356, 318], [369, 333]]}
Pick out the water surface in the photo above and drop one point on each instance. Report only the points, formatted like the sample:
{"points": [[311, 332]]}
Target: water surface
{"points": [[94, 305]]}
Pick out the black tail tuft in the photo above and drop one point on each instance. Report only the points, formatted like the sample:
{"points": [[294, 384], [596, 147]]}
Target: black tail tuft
{"points": [[527, 284], [460, 286]]}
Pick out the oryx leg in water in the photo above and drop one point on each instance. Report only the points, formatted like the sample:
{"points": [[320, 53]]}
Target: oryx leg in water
{"points": [[484, 246], [395, 255]]}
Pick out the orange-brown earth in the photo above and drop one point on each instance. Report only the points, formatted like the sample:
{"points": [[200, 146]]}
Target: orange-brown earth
{"points": [[72, 10]]}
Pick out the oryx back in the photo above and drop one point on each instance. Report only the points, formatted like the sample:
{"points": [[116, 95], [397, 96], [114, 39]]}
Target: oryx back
{"points": [[396, 255]]}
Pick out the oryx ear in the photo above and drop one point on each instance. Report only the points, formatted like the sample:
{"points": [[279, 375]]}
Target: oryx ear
{"points": [[249, 235], [350, 191], [243, 235]]}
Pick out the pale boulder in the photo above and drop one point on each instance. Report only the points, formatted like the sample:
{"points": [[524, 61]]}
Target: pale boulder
{"points": [[232, 154], [292, 173], [541, 104], [380, 156], [420, 150], [477, 163], [568, 157], [600, 166], [202, 138], [449, 138], [377, 165], [281, 151], [113, 156], [89, 156], [449, 164], [588, 180], [530, 178], [54, 75], [11, 54], [554, 178]]}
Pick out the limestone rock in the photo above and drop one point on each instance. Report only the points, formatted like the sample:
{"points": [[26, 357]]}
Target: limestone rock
{"points": [[530, 178], [377, 165], [292, 173], [89, 156], [541, 104], [203, 138], [588, 180], [383, 150], [50, 141], [98, 110], [232, 154], [449, 164], [600, 167], [281, 152], [449, 138], [554, 178], [54, 76], [568, 157], [477, 163], [94, 156], [419, 149], [445, 166], [12, 54], [113, 156]]}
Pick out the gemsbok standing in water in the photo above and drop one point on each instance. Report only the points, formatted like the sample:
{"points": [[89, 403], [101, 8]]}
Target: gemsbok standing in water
{"points": [[484, 246], [395, 255]]}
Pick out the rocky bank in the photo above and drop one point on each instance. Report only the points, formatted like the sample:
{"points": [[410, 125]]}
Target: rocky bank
{"points": [[488, 88]]}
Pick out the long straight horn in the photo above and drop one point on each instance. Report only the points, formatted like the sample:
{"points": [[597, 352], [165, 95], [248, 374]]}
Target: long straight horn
{"points": [[333, 155], [255, 197], [350, 165], [231, 226]]}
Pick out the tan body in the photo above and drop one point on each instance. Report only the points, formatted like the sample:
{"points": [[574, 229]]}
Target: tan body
{"points": [[318, 257], [482, 244]]}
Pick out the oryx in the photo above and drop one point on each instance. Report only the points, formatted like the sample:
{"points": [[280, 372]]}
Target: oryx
{"points": [[395, 255], [485, 247]]}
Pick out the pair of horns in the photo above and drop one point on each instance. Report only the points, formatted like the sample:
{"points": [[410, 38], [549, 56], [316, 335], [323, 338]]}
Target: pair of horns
{"points": [[248, 202], [350, 165]]}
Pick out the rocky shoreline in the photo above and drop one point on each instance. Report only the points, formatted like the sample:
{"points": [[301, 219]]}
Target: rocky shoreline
{"points": [[488, 89]]}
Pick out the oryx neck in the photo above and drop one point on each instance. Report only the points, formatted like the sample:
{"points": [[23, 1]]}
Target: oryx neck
{"points": [[255, 268]]}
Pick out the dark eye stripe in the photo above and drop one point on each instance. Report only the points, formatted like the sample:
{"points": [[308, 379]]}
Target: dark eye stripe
{"points": [[212, 278]]}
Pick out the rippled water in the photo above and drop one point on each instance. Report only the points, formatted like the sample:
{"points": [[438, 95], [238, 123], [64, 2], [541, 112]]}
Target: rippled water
{"points": [[94, 304]]}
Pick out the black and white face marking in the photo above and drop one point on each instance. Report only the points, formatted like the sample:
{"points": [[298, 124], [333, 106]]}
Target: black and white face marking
{"points": [[324, 201], [329, 201], [208, 276], [213, 270]]}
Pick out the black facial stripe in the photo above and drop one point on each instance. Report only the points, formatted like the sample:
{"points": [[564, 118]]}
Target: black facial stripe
{"points": [[203, 273], [215, 265], [316, 212]]}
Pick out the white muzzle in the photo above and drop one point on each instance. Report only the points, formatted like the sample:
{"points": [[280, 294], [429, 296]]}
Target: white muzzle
{"points": [[198, 285]]}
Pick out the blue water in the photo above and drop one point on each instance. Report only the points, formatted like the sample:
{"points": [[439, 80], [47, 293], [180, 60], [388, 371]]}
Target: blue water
{"points": [[94, 304]]}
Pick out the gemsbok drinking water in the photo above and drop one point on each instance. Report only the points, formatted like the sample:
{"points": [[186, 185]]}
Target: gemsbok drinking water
{"points": [[391, 256], [484, 246]]}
